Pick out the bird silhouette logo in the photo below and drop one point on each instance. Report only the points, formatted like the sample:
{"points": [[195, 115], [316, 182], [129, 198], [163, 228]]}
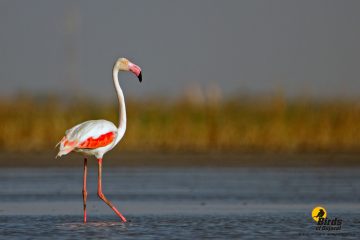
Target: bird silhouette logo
{"points": [[321, 213], [318, 212]]}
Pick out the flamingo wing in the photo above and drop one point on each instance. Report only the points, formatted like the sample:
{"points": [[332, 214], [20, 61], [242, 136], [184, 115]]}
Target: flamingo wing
{"points": [[88, 135], [101, 141]]}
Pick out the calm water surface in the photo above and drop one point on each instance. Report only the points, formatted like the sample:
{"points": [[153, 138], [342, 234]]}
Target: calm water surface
{"points": [[179, 203]]}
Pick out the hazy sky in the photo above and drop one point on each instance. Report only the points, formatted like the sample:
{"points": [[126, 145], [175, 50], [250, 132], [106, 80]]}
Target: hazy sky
{"points": [[242, 46]]}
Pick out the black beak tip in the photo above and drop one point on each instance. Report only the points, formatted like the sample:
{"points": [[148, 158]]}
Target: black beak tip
{"points": [[140, 77]]}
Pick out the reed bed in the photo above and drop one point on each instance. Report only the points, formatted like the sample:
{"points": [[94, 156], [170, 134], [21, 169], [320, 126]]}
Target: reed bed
{"points": [[248, 124]]}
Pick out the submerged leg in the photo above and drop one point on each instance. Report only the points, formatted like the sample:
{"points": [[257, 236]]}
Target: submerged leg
{"points": [[84, 192], [102, 196]]}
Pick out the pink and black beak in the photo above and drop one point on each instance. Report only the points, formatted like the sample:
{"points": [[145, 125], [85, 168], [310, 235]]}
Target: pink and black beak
{"points": [[140, 77], [136, 70]]}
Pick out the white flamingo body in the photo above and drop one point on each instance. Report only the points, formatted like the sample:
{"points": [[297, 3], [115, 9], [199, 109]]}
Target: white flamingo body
{"points": [[96, 137], [89, 129]]}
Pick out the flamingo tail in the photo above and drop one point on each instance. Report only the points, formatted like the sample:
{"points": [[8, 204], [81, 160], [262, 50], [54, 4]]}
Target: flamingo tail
{"points": [[65, 146]]}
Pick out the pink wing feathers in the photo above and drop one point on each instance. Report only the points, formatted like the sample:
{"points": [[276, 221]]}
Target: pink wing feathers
{"points": [[101, 141]]}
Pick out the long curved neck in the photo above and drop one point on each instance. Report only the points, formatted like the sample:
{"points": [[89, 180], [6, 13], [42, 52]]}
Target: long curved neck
{"points": [[122, 108]]}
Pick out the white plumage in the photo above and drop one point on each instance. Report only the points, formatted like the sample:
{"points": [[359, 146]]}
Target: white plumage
{"points": [[96, 137], [83, 131]]}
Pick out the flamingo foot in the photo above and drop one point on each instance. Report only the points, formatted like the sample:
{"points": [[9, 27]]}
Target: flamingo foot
{"points": [[102, 197]]}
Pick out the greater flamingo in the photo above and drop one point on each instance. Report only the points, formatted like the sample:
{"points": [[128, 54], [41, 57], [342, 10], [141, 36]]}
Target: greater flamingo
{"points": [[96, 137]]}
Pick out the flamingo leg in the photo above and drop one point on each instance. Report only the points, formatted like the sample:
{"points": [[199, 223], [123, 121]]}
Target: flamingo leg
{"points": [[102, 196], [84, 192]]}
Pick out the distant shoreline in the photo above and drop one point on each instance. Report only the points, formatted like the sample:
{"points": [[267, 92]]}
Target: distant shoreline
{"points": [[129, 159], [248, 124]]}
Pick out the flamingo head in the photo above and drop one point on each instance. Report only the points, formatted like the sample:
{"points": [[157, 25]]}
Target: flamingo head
{"points": [[123, 64]]}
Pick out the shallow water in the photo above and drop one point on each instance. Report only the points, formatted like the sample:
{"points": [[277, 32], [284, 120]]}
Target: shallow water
{"points": [[178, 203]]}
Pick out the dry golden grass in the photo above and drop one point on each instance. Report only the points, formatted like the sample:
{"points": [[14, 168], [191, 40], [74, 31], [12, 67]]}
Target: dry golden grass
{"points": [[249, 124]]}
